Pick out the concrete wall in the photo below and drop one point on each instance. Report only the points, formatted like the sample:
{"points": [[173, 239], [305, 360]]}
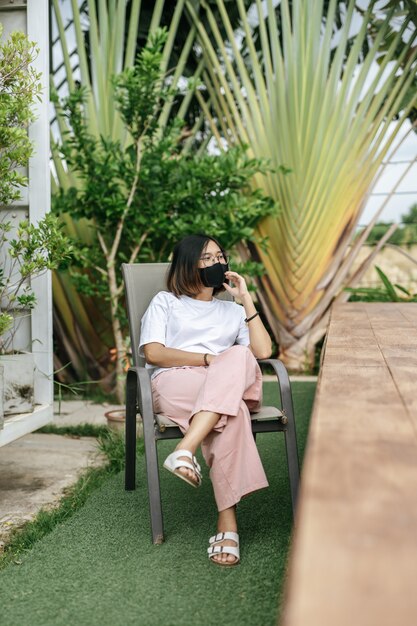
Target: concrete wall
{"points": [[396, 265]]}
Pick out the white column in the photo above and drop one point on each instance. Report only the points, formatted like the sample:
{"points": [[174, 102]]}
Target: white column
{"points": [[39, 203]]}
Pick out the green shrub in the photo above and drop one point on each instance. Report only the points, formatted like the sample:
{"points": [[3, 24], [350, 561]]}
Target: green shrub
{"points": [[387, 292]]}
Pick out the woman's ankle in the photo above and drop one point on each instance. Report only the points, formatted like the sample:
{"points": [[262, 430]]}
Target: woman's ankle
{"points": [[227, 520], [185, 446]]}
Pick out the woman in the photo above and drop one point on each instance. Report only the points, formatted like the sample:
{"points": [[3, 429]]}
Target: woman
{"points": [[203, 352]]}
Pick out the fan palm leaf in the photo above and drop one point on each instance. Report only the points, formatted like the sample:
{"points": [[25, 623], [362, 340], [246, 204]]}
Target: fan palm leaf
{"points": [[308, 99]]}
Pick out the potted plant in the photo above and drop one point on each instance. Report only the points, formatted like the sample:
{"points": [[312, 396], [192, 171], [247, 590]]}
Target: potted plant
{"points": [[28, 250], [32, 251]]}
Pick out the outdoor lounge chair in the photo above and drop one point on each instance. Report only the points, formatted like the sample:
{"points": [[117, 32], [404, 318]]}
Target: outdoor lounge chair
{"points": [[142, 282]]}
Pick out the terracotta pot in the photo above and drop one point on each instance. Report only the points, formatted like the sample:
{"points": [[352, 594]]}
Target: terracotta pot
{"points": [[116, 421]]}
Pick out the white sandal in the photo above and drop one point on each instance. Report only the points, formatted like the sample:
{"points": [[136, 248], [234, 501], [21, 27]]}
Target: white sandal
{"points": [[216, 549], [173, 463]]}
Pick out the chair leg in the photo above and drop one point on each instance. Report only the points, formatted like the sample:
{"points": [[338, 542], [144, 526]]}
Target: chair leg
{"points": [[154, 490], [293, 467], [291, 443], [290, 432], [130, 431], [151, 456]]}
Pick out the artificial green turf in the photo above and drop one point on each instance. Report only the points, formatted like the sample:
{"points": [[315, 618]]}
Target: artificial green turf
{"points": [[100, 567]]}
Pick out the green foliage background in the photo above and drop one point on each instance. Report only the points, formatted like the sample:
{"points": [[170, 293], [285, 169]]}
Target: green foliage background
{"points": [[406, 233], [141, 193]]}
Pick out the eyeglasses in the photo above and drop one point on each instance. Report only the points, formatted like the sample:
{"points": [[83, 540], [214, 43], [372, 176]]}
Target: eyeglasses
{"points": [[211, 258]]}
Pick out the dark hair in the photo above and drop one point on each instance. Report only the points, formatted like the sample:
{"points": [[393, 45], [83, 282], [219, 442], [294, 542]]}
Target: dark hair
{"points": [[183, 275]]}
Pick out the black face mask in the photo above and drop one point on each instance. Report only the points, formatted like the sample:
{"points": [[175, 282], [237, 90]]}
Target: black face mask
{"points": [[213, 276]]}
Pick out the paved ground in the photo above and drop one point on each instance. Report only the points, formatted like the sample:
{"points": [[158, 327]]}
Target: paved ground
{"points": [[36, 469], [76, 412]]}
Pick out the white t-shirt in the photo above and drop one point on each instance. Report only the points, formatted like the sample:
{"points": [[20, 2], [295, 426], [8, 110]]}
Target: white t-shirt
{"points": [[193, 325]]}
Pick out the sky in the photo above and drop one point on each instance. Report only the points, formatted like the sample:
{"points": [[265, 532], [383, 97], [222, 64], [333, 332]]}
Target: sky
{"points": [[406, 193]]}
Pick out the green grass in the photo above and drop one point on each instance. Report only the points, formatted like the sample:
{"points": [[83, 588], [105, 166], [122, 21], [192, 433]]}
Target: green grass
{"points": [[79, 430], [99, 566]]}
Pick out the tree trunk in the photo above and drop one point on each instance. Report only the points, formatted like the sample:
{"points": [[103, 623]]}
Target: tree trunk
{"points": [[118, 335], [120, 352], [299, 357]]}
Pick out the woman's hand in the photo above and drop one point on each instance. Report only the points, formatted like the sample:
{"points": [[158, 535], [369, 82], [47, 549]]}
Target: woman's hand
{"points": [[240, 289], [260, 342]]}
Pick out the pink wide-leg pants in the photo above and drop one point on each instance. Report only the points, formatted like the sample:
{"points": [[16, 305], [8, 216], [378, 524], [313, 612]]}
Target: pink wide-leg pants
{"points": [[230, 386]]}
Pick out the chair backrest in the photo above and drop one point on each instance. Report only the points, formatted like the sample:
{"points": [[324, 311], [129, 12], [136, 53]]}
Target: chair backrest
{"points": [[142, 282]]}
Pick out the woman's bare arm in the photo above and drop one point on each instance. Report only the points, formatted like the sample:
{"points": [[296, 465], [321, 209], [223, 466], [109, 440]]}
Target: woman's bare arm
{"points": [[157, 354], [260, 341]]}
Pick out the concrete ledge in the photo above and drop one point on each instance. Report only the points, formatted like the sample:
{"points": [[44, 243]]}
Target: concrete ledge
{"points": [[354, 555], [19, 425]]}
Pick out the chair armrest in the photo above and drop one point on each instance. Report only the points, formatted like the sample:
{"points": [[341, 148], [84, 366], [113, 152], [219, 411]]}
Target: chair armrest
{"points": [[284, 386], [139, 377]]}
